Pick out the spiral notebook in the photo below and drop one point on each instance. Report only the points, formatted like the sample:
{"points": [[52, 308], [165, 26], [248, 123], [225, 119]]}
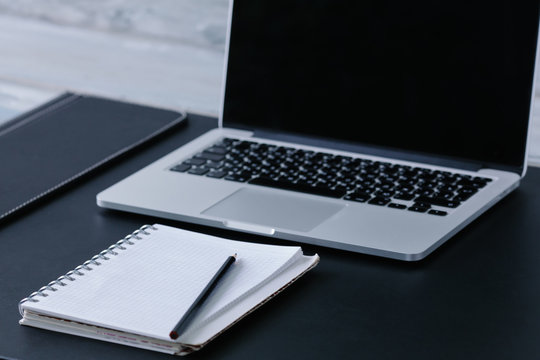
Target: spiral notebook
{"points": [[135, 291]]}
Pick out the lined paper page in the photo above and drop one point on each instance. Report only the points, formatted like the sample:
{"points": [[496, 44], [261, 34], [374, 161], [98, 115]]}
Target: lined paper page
{"points": [[146, 288], [256, 264]]}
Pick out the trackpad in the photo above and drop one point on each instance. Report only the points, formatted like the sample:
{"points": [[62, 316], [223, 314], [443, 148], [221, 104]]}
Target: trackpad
{"points": [[274, 209]]}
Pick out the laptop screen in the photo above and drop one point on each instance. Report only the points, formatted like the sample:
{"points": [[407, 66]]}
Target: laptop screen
{"points": [[433, 77]]}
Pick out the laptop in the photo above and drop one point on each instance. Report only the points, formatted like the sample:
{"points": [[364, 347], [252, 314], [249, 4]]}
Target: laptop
{"points": [[377, 127]]}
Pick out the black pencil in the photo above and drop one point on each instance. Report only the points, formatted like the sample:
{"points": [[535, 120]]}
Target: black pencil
{"points": [[194, 308]]}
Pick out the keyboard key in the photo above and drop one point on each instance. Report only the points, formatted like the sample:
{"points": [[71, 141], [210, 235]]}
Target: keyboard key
{"points": [[316, 190], [306, 182], [406, 189], [444, 195], [196, 162], [462, 197], [378, 200], [446, 179], [424, 192], [213, 165], [210, 156], [447, 188], [358, 196], [217, 174], [467, 191], [422, 204], [437, 212], [427, 184], [438, 201], [404, 196], [407, 181], [340, 188], [397, 206], [198, 171], [181, 167], [386, 186], [419, 209], [472, 183], [244, 144], [220, 150], [384, 193], [236, 177]]}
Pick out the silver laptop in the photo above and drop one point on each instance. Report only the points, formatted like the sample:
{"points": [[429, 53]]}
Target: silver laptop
{"points": [[376, 127]]}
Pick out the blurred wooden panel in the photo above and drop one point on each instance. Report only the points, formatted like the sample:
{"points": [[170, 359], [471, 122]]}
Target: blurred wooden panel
{"points": [[147, 70]]}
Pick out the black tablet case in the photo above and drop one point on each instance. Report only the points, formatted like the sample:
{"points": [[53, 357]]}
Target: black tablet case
{"points": [[57, 143]]}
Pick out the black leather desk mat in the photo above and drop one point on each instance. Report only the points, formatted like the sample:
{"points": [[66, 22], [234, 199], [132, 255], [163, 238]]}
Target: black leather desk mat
{"points": [[474, 298], [52, 146]]}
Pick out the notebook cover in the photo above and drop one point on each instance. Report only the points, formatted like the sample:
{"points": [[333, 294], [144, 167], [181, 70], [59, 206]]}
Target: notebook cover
{"points": [[57, 143]]}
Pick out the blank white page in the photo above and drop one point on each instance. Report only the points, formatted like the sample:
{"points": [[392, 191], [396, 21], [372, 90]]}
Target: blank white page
{"points": [[146, 288]]}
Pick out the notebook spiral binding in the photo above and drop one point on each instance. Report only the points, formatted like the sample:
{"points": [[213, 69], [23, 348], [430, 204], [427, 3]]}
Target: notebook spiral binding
{"points": [[78, 271]]}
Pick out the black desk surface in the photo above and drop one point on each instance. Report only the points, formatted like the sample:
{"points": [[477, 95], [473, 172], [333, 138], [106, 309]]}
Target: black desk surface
{"points": [[477, 296]]}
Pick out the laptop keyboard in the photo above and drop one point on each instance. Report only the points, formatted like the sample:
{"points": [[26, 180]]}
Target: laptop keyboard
{"points": [[362, 180]]}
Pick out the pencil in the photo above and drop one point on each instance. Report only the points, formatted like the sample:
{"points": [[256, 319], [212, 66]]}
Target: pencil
{"points": [[194, 308]]}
